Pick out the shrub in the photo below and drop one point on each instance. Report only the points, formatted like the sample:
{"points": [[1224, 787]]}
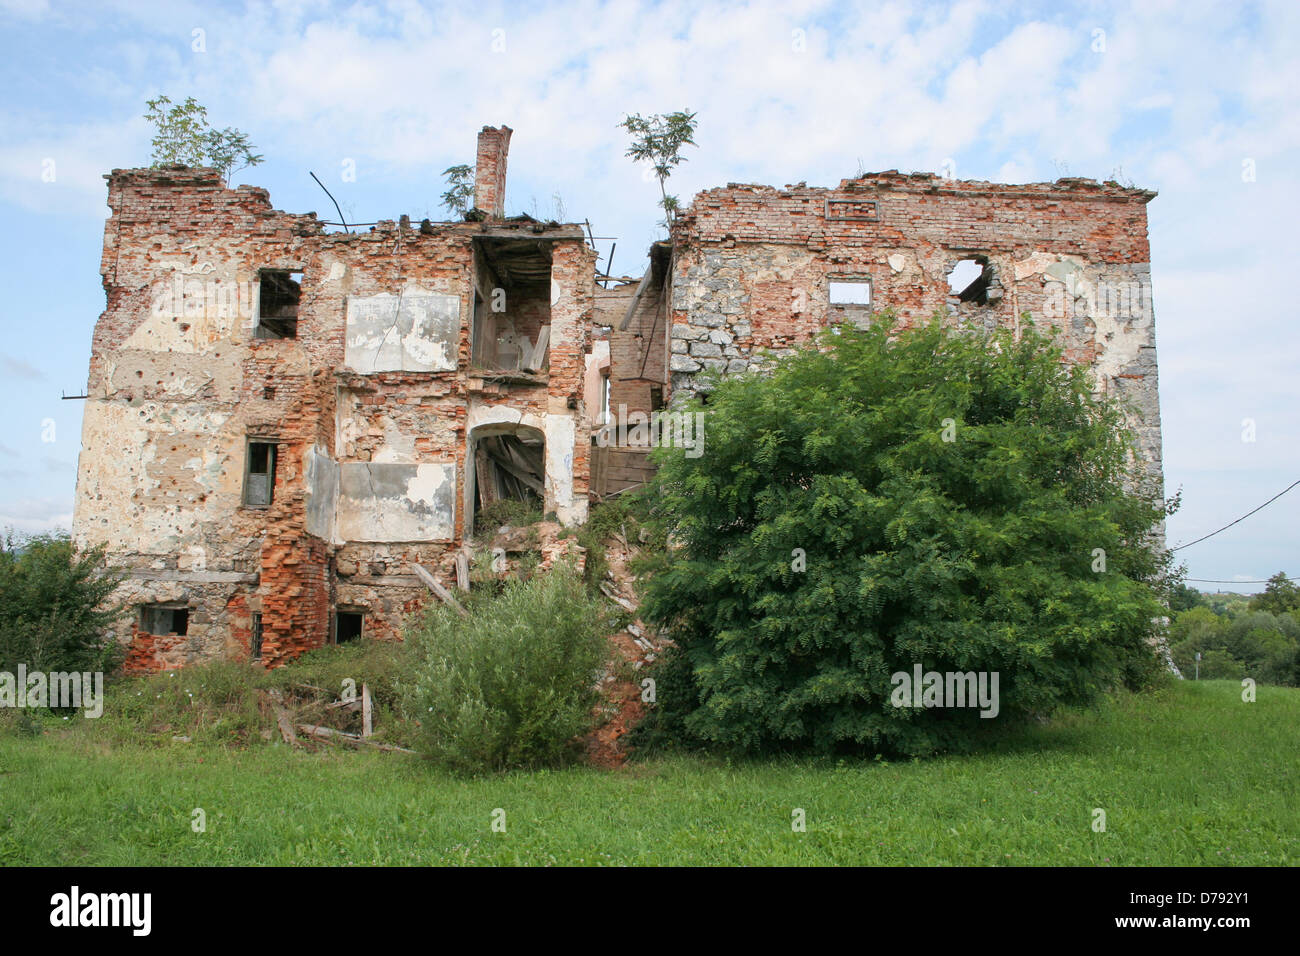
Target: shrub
{"points": [[55, 607], [935, 496], [513, 684], [507, 511]]}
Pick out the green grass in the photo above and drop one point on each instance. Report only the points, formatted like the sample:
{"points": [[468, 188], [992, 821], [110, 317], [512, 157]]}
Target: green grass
{"points": [[1187, 775]]}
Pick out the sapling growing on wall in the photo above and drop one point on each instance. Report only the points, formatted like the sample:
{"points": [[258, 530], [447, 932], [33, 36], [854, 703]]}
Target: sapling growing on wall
{"points": [[182, 135], [460, 189], [659, 139]]}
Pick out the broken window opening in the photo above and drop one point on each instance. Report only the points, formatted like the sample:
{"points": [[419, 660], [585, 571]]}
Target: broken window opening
{"points": [[164, 619], [656, 398], [255, 639], [259, 477], [512, 306], [850, 300], [509, 466], [604, 398], [971, 280], [348, 626], [279, 294]]}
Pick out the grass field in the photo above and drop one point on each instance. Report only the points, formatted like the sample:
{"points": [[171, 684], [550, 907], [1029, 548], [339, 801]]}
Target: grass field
{"points": [[1186, 775]]}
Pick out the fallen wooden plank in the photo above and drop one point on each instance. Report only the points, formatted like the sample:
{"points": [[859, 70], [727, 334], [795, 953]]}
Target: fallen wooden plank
{"points": [[622, 602], [329, 733], [282, 718], [505, 464], [436, 587]]}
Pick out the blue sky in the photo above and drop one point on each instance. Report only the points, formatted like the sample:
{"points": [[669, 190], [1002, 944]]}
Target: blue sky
{"points": [[1198, 101]]}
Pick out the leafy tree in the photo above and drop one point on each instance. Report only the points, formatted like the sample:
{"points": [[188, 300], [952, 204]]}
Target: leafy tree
{"points": [[1281, 595], [55, 606], [658, 140], [1184, 598], [182, 135], [947, 498], [460, 189]]}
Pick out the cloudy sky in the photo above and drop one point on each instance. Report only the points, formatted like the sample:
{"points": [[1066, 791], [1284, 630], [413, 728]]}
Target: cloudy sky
{"points": [[1198, 101]]}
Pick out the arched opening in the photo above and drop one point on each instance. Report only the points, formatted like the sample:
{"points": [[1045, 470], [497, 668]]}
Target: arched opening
{"points": [[505, 463]]}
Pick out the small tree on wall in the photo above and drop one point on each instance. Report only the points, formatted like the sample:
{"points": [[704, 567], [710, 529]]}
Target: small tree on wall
{"points": [[182, 135], [659, 139], [460, 189]]}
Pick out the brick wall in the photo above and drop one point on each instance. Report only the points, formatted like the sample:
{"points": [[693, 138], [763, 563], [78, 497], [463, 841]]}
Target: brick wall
{"points": [[752, 266], [178, 384]]}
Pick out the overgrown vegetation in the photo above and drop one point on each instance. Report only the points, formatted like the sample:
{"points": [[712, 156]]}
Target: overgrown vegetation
{"points": [[514, 683], [221, 703], [1240, 637], [460, 189], [658, 140], [55, 606], [182, 135], [944, 498], [507, 512]]}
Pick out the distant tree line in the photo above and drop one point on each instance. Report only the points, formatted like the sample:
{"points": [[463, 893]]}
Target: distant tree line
{"points": [[1238, 637]]}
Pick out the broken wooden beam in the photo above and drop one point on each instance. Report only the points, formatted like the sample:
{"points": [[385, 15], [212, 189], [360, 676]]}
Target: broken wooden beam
{"points": [[282, 718], [532, 358], [440, 592], [622, 602], [329, 733]]}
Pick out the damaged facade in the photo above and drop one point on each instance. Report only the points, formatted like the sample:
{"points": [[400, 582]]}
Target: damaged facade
{"points": [[286, 427], [283, 421]]}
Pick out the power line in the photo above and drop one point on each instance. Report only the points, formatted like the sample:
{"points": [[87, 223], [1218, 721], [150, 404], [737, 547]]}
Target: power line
{"points": [[1242, 518], [1215, 581]]}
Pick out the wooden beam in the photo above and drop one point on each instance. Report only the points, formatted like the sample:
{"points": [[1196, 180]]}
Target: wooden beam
{"points": [[439, 591], [462, 570], [518, 472], [636, 299], [533, 360]]}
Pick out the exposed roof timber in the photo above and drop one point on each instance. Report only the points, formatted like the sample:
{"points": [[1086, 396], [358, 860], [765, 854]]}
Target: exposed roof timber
{"points": [[518, 259]]}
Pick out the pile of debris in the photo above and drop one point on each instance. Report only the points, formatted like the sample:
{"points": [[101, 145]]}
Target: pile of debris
{"points": [[624, 691], [314, 713]]}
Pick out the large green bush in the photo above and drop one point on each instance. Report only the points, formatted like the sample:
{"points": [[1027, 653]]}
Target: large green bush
{"points": [[947, 498], [511, 685], [56, 606]]}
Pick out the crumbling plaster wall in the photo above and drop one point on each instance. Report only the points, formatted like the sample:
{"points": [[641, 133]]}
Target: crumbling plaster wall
{"points": [[178, 384], [752, 265]]}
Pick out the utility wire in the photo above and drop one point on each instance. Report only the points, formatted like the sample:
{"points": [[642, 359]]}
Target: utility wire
{"points": [[1216, 581], [1242, 518]]}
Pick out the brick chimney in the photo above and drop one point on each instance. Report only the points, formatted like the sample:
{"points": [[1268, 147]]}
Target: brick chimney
{"points": [[490, 170]]}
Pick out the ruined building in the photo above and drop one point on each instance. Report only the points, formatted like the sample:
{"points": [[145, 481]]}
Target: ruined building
{"points": [[287, 428]]}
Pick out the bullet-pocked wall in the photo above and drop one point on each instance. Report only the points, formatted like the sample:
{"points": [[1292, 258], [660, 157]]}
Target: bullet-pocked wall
{"points": [[277, 415], [755, 267]]}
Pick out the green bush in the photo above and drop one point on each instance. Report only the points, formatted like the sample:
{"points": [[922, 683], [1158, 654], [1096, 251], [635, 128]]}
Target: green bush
{"points": [[507, 511], [936, 497], [55, 606], [513, 684]]}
